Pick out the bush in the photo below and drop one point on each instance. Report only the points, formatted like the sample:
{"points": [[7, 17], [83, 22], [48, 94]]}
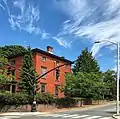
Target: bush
{"points": [[67, 101], [13, 99], [21, 98], [41, 98], [45, 98]]}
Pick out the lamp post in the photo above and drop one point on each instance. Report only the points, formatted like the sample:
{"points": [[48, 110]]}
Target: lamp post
{"points": [[118, 73]]}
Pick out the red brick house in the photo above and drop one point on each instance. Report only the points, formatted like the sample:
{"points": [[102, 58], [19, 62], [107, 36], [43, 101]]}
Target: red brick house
{"points": [[44, 61]]}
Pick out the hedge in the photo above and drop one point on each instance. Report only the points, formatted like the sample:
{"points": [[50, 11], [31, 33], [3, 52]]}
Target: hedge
{"points": [[45, 98], [20, 98], [13, 99]]}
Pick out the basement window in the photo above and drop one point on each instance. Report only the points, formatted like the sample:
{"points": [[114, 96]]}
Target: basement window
{"points": [[56, 90]]}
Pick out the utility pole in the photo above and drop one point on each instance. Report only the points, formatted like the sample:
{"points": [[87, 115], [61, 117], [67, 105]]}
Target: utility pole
{"points": [[118, 72], [118, 76]]}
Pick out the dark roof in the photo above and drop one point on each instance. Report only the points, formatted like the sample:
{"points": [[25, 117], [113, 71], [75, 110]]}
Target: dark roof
{"points": [[51, 55], [44, 53]]}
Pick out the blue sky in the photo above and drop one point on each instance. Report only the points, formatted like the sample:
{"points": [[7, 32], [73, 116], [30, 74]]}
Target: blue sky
{"points": [[69, 26]]}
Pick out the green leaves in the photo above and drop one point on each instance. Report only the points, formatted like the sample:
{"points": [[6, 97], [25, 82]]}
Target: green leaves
{"points": [[28, 79], [109, 79], [86, 63], [3, 71], [84, 85], [12, 50]]}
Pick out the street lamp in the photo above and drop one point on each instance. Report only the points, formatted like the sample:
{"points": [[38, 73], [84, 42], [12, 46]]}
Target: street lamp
{"points": [[117, 103]]}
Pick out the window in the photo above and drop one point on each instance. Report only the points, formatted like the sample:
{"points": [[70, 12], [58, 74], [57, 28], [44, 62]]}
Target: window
{"points": [[43, 87], [56, 90], [13, 88], [12, 62], [13, 72], [67, 66], [44, 71], [43, 59], [57, 73], [57, 63]]}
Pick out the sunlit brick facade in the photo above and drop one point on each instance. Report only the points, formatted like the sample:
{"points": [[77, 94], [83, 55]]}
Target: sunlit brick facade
{"points": [[44, 61]]}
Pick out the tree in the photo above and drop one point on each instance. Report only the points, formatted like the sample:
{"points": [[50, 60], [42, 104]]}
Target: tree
{"points": [[28, 79], [84, 85], [86, 63], [12, 50], [109, 79], [3, 72], [85, 82]]}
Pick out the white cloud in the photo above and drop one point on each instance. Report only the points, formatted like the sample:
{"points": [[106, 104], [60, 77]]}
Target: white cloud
{"points": [[1, 6], [20, 4], [96, 48], [46, 35], [27, 19], [62, 42], [96, 20]]}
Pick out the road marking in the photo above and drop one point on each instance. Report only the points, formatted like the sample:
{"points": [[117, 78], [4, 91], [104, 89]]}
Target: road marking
{"points": [[92, 117], [9, 117], [105, 118], [59, 115], [109, 110], [3, 118], [74, 115], [80, 116], [54, 115]]}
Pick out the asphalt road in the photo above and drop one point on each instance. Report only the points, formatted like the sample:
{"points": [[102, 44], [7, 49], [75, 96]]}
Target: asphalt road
{"points": [[96, 113]]}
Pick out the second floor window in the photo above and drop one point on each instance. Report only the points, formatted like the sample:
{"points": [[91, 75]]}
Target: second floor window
{"points": [[44, 69], [12, 62], [57, 63], [67, 66], [43, 59]]}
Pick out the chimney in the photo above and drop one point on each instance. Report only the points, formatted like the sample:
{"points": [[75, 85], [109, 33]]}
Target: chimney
{"points": [[50, 49]]}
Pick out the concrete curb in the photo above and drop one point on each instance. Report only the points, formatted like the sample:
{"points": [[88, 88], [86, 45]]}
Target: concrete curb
{"points": [[116, 116], [82, 108], [55, 111], [23, 113]]}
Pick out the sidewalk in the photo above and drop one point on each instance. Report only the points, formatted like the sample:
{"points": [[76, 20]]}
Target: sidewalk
{"points": [[87, 107], [116, 117], [23, 113]]}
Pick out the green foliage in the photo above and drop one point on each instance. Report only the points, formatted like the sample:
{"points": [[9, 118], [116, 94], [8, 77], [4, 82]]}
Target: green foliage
{"points": [[86, 63], [3, 71], [8, 98], [67, 101], [86, 80], [109, 80], [84, 85], [91, 85], [45, 98], [12, 50], [28, 79], [13, 99]]}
